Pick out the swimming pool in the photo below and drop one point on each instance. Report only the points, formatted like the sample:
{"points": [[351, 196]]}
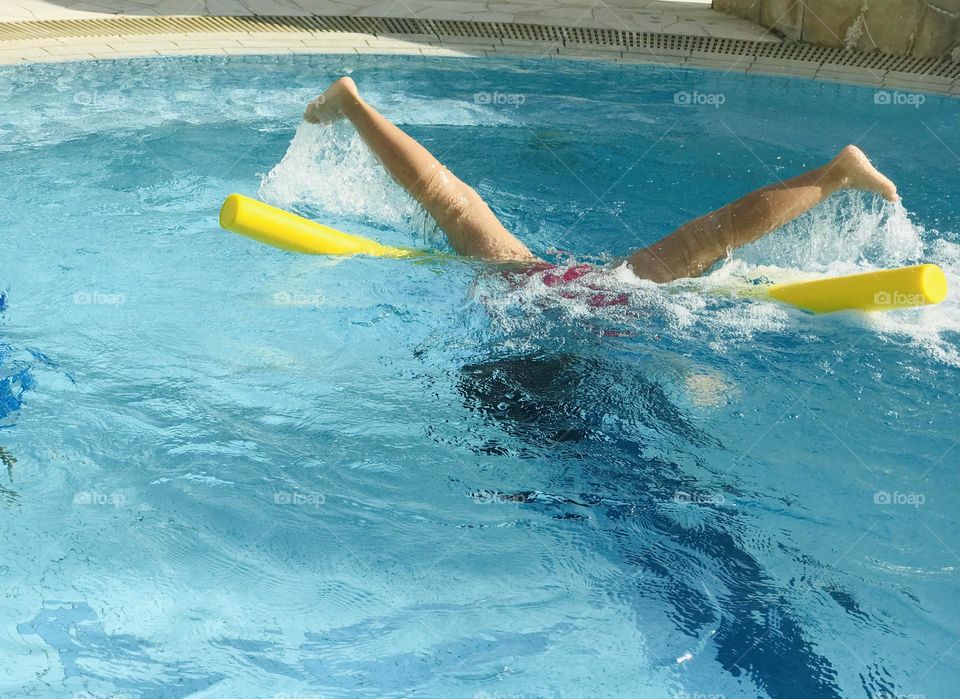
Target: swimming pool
{"points": [[231, 471]]}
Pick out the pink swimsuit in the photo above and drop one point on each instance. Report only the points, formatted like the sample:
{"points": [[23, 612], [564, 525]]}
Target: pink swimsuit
{"points": [[554, 276]]}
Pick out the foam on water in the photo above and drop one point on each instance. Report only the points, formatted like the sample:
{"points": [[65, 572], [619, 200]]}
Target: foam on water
{"points": [[855, 232], [328, 170], [846, 233]]}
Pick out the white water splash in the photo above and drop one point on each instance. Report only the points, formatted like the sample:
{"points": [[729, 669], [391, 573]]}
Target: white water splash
{"points": [[932, 329], [847, 233], [854, 232], [331, 169]]}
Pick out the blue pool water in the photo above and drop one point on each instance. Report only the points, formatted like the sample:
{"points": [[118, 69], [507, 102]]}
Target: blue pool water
{"points": [[231, 471]]}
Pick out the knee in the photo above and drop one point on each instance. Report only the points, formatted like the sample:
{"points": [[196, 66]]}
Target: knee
{"points": [[647, 265], [446, 198]]}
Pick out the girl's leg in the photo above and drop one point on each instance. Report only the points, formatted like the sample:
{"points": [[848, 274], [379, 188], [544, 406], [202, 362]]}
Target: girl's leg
{"points": [[695, 246], [470, 225]]}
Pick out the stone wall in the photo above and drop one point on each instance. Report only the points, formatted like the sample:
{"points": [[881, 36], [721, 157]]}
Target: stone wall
{"points": [[928, 28]]}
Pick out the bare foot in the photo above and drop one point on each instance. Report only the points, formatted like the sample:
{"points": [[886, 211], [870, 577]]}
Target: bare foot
{"points": [[859, 173], [327, 107]]}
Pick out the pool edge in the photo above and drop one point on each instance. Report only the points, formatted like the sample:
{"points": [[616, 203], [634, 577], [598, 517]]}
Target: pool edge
{"points": [[44, 41]]}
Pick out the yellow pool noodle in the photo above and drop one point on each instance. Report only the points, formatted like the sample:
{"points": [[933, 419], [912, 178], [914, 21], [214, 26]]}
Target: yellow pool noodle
{"points": [[885, 290], [287, 231], [870, 291]]}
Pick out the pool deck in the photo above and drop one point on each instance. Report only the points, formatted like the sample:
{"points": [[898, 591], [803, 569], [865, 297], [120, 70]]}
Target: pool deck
{"points": [[670, 16], [678, 32]]}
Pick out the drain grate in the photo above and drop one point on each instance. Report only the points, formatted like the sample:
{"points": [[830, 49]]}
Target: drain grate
{"points": [[496, 31]]}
